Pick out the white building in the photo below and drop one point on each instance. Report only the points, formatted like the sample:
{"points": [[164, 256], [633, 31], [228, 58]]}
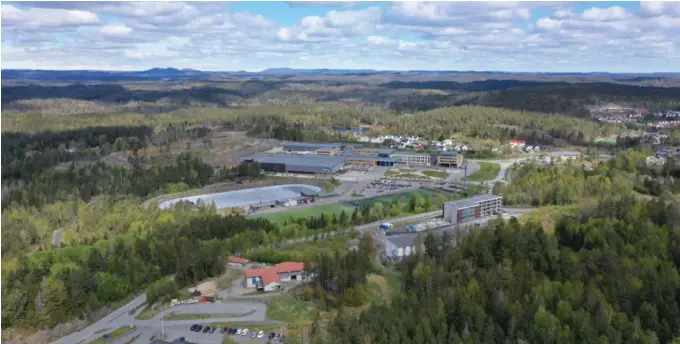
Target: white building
{"points": [[270, 278], [563, 156], [400, 245], [409, 158], [468, 209]]}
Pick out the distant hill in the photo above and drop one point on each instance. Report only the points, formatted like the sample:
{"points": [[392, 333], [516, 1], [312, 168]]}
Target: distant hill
{"points": [[157, 74]]}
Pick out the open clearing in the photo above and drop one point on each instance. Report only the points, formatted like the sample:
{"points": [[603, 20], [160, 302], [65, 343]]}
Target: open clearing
{"points": [[287, 309], [328, 209], [487, 171], [206, 288]]}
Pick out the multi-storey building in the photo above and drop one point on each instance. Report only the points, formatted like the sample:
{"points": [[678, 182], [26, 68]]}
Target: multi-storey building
{"points": [[411, 158], [450, 159], [464, 210]]}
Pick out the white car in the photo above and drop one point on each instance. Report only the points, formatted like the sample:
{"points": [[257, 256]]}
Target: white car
{"points": [[238, 332], [260, 334], [244, 332]]}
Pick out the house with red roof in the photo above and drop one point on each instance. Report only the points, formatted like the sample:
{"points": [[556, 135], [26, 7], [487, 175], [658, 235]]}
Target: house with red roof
{"points": [[270, 278], [237, 261], [517, 143]]}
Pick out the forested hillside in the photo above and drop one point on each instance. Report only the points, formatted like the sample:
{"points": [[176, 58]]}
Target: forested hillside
{"points": [[396, 96], [608, 278]]}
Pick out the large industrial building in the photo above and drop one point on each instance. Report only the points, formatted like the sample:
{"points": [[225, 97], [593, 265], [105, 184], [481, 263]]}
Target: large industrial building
{"points": [[328, 149], [308, 164], [464, 210], [330, 158]]}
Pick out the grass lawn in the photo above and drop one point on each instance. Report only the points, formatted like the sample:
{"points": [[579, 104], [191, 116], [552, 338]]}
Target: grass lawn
{"points": [[435, 174], [474, 189], [547, 216], [191, 316], [487, 171], [404, 196], [133, 339], [285, 308], [148, 313], [328, 209], [113, 336]]}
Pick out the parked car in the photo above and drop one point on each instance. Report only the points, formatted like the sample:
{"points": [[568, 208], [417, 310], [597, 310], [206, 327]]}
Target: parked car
{"points": [[272, 335], [198, 328], [213, 330], [254, 335], [244, 332], [260, 334], [238, 331], [278, 336], [193, 327], [206, 329]]}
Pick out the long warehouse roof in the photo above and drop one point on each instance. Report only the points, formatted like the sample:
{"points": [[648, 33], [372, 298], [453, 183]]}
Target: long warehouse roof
{"points": [[306, 160]]}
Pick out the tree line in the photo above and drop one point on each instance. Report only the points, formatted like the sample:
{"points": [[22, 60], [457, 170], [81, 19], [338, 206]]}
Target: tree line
{"points": [[85, 182]]}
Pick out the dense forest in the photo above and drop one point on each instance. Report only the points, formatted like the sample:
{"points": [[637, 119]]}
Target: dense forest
{"points": [[45, 288], [397, 96], [573, 99], [560, 184], [611, 277]]}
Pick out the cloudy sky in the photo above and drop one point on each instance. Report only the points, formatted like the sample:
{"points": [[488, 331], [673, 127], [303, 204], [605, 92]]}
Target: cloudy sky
{"points": [[221, 36]]}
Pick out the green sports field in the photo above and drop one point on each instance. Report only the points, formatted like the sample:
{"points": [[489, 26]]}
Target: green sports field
{"points": [[328, 209]]}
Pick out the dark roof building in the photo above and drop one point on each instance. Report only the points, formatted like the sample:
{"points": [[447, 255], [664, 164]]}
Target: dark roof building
{"points": [[309, 146], [298, 164]]}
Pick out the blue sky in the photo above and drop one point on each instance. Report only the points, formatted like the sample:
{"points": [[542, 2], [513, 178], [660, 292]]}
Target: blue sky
{"points": [[507, 36]]}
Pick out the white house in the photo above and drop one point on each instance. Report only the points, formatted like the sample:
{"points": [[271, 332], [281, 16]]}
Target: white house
{"points": [[400, 245]]}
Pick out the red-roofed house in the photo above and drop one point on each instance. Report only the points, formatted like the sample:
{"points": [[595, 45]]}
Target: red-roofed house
{"points": [[269, 279], [514, 143], [290, 271], [237, 261], [266, 279]]}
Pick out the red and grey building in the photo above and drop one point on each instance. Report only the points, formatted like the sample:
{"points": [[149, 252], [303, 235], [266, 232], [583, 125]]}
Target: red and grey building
{"points": [[469, 209]]}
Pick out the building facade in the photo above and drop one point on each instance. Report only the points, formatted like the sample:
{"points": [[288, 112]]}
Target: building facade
{"points": [[369, 160], [401, 245], [415, 159], [449, 159], [469, 209]]}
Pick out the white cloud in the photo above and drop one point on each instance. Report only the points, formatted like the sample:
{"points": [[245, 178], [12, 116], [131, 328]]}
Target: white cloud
{"points": [[46, 18], [410, 35], [379, 40], [605, 14], [548, 24], [115, 30]]}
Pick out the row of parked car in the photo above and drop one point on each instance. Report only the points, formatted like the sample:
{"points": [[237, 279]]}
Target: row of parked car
{"points": [[238, 332]]}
